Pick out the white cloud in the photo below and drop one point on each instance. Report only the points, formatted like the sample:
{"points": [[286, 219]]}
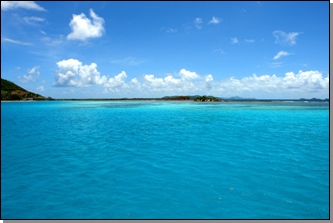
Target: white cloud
{"points": [[285, 38], [198, 23], [307, 84], [214, 20], [15, 41], [71, 72], [188, 75], [281, 54], [34, 70], [234, 40], [170, 80], [29, 5], [84, 28], [33, 75], [117, 82], [249, 40], [302, 83], [33, 19], [209, 78], [209, 81], [40, 88], [152, 83], [170, 84], [135, 84]]}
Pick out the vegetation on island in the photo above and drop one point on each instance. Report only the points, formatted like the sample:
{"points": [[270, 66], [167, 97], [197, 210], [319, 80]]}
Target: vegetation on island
{"points": [[206, 98], [13, 92], [313, 99], [203, 98], [178, 98]]}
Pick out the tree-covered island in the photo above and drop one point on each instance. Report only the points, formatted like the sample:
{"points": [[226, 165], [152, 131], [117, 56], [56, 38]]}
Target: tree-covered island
{"points": [[13, 92]]}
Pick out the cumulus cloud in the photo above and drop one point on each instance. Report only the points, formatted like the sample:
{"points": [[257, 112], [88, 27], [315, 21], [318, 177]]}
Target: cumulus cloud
{"points": [[15, 41], [209, 81], [280, 54], [153, 83], [234, 40], [116, 82], [167, 84], [304, 82], [71, 72], [301, 83], [29, 5], [198, 23], [285, 38], [188, 75], [214, 20], [135, 84], [33, 75], [84, 28], [186, 82]]}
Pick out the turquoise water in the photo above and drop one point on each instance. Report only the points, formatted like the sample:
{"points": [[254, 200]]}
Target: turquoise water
{"points": [[164, 160]]}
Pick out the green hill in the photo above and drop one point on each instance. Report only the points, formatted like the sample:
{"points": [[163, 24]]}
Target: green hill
{"points": [[192, 97], [11, 91]]}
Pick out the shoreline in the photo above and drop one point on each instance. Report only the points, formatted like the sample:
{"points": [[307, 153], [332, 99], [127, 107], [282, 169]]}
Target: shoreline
{"points": [[18, 101], [160, 100]]}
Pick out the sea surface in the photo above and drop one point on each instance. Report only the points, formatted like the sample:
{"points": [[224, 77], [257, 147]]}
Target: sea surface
{"points": [[164, 160]]}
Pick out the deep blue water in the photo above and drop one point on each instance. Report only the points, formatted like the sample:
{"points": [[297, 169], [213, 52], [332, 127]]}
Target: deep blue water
{"points": [[164, 160]]}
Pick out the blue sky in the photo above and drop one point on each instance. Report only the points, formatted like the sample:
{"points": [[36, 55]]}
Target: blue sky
{"points": [[154, 49]]}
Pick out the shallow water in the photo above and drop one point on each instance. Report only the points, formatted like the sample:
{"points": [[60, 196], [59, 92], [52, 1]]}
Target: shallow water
{"points": [[164, 160]]}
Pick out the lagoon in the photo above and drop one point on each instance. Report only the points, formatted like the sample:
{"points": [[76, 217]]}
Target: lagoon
{"points": [[164, 160]]}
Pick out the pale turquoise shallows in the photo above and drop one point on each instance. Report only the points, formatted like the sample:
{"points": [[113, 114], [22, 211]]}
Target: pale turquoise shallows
{"points": [[164, 160]]}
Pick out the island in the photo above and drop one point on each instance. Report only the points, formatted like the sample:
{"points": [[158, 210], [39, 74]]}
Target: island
{"points": [[314, 99], [207, 99], [198, 98], [13, 92]]}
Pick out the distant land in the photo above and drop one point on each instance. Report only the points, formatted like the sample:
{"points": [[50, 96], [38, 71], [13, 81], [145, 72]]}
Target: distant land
{"points": [[314, 99], [13, 92]]}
